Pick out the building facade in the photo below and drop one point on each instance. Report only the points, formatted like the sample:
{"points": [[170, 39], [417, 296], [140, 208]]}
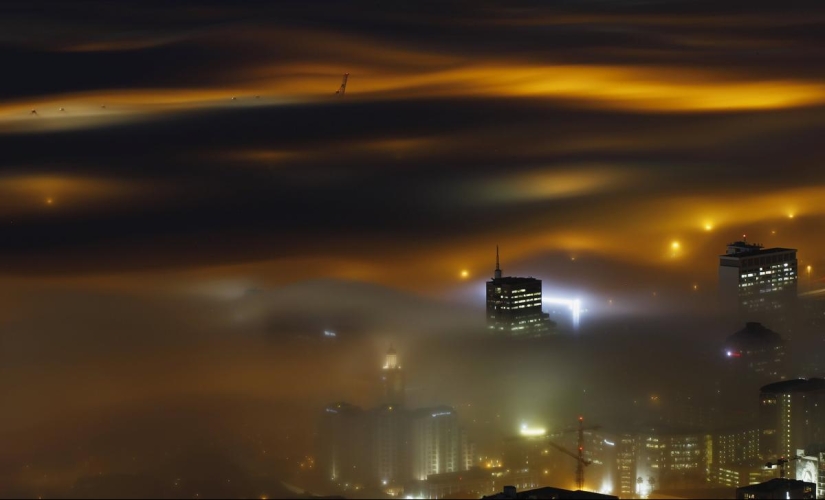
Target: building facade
{"points": [[759, 283], [792, 416], [439, 443], [757, 352], [342, 456]]}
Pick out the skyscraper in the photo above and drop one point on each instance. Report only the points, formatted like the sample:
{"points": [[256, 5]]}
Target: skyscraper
{"points": [[390, 445], [342, 456], [389, 428], [757, 353], [439, 444], [514, 305], [792, 417], [760, 283]]}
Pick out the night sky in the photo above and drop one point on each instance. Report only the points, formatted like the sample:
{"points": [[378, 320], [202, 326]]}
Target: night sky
{"points": [[180, 185]]}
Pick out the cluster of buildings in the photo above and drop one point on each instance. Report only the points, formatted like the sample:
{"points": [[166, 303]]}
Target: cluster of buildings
{"points": [[790, 424], [772, 418], [388, 447], [762, 414]]}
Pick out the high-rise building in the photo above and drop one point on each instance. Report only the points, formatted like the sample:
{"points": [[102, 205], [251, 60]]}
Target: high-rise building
{"points": [[514, 305], [792, 416], [392, 378], [389, 437], [757, 352], [342, 456], [735, 446], [390, 445], [439, 444], [760, 283], [671, 460]]}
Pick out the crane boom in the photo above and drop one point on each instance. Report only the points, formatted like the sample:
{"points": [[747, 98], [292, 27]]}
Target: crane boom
{"points": [[343, 87], [780, 462], [581, 462], [568, 452]]}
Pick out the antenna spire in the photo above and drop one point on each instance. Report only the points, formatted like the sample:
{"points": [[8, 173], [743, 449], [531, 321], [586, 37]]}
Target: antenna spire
{"points": [[498, 267]]}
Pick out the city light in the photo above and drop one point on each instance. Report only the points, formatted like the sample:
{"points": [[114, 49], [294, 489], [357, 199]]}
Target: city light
{"points": [[574, 305], [465, 273], [532, 431]]}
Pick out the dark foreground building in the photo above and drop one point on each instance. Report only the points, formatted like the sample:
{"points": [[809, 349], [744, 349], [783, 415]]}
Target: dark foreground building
{"points": [[510, 492], [778, 488]]}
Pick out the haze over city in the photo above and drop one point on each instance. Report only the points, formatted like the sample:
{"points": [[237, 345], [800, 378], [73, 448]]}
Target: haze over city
{"points": [[217, 220]]}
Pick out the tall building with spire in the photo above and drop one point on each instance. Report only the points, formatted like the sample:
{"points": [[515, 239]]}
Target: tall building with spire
{"points": [[514, 304], [390, 445], [392, 378]]}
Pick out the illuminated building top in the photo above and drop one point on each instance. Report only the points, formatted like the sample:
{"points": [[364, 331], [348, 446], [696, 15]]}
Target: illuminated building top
{"points": [[391, 360], [392, 379], [761, 280], [514, 304]]}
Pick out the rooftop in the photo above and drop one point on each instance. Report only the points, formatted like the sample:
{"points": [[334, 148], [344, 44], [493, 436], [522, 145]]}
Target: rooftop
{"points": [[754, 333], [546, 492], [796, 385], [511, 280], [775, 484], [740, 249]]}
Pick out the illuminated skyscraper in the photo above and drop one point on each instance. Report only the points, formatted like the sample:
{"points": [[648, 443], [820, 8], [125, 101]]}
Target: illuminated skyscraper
{"points": [[514, 305], [792, 416], [439, 444], [760, 281], [389, 445], [392, 378]]}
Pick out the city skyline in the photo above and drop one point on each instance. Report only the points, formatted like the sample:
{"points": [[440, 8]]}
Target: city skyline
{"points": [[218, 221]]}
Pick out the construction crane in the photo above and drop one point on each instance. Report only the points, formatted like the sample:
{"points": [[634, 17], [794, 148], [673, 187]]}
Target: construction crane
{"points": [[780, 462], [343, 87], [581, 461]]}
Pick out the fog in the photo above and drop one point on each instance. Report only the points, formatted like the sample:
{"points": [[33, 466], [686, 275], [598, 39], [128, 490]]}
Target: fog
{"points": [[132, 395]]}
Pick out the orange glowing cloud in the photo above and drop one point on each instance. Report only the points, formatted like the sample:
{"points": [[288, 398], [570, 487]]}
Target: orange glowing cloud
{"points": [[39, 193], [381, 71], [560, 182]]}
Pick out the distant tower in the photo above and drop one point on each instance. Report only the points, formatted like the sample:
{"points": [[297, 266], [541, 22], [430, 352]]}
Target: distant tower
{"points": [[393, 379]]}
